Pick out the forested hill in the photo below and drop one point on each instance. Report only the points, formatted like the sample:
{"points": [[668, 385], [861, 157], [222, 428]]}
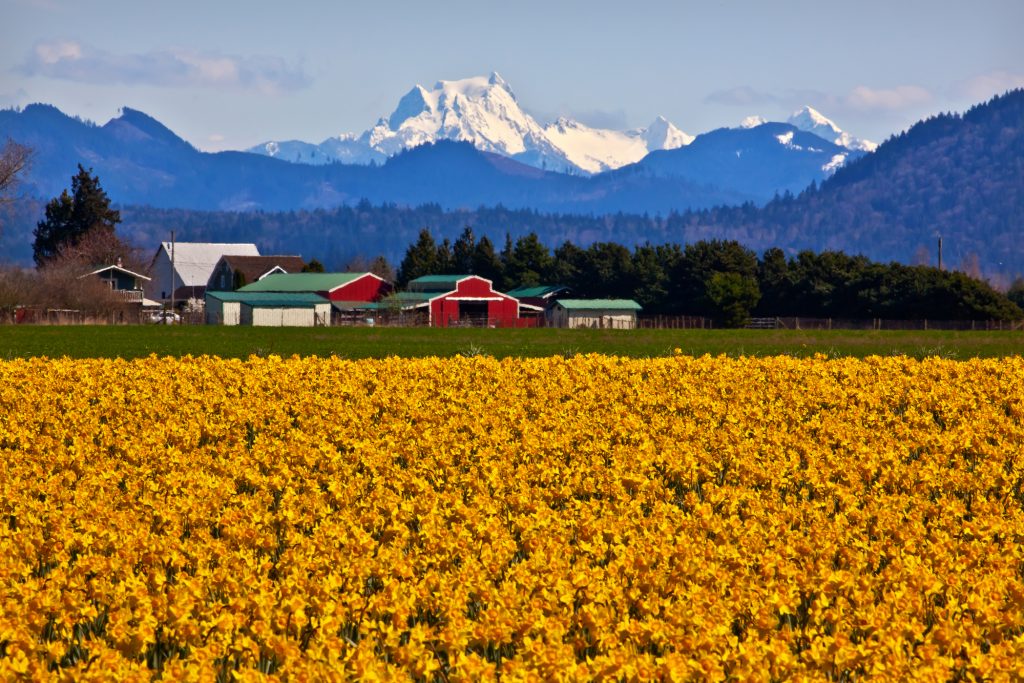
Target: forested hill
{"points": [[958, 176], [961, 176]]}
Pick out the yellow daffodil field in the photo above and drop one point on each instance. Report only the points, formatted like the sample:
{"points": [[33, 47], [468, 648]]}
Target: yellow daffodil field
{"points": [[578, 518]]}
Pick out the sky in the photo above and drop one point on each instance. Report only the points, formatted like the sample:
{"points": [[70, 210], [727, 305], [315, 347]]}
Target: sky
{"points": [[229, 75]]}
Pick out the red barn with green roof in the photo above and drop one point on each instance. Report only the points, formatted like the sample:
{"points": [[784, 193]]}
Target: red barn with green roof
{"points": [[333, 286], [461, 300]]}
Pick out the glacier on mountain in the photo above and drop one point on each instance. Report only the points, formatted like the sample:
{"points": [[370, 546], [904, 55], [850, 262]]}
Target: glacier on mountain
{"points": [[753, 121], [813, 121], [485, 112]]}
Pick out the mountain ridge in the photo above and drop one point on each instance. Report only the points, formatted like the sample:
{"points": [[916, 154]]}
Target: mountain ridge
{"points": [[141, 161], [486, 112]]}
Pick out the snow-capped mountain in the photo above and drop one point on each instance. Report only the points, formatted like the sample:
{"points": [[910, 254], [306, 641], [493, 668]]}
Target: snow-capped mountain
{"points": [[813, 121], [485, 112], [760, 160], [595, 150]]}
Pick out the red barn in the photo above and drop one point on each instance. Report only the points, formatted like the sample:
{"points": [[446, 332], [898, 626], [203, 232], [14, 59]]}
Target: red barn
{"points": [[461, 300], [352, 287]]}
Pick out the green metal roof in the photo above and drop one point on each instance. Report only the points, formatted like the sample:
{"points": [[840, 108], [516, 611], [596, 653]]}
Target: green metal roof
{"points": [[599, 304], [534, 292], [359, 305], [439, 278], [435, 283], [412, 296], [301, 282], [270, 299]]}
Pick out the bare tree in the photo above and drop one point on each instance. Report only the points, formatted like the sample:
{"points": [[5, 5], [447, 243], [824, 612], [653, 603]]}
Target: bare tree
{"points": [[100, 247], [62, 284], [970, 264], [14, 159], [17, 288]]}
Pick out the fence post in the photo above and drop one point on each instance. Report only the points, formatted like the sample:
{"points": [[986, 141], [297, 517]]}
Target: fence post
{"points": [[926, 323]]}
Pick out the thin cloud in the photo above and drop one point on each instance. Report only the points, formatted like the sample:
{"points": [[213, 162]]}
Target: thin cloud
{"points": [[863, 98], [984, 86], [860, 99], [73, 61], [741, 96]]}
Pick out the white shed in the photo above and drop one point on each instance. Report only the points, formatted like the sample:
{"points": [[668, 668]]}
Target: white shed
{"points": [[605, 314]]}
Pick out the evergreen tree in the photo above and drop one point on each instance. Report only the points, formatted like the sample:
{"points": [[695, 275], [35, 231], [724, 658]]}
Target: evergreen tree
{"points": [[71, 216], [380, 267], [734, 296], [445, 262], [569, 265], [699, 264], [463, 251], [609, 269], [652, 266], [1016, 292], [486, 263], [313, 266], [776, 285], [506, 258], [530, 263], [420, 259]]}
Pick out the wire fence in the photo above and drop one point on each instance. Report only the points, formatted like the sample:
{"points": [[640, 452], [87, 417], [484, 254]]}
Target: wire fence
{"points": [[133, 316], [810, 323]]}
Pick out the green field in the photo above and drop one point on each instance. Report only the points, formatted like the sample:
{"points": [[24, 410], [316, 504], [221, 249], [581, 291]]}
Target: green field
{"points": [[362, 342]]}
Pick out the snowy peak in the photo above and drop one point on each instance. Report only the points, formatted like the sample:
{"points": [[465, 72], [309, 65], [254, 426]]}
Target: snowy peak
{"points": [[480, 110], [496, 80], [807, 118], [811, 120], [414, 103], [661, 134], [595, 150], [753, 122], [483, 111]]}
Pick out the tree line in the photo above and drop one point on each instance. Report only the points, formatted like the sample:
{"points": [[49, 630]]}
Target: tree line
{"points": [[719, 279], [714, 278]]}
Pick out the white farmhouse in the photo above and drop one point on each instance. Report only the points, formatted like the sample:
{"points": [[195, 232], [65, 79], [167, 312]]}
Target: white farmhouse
{"points": [[193, 264]]}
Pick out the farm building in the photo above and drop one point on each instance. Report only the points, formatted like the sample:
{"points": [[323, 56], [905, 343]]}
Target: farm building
{"points": [[450, 300], [536, 302], [233, 272], [608, 314], [267, 309], [127, 285], [334, 286], [541, 295], [193, 263]]}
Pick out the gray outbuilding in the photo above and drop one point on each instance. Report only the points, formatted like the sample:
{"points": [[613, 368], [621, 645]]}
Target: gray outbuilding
{"points": [[604, 314], [267, 309]]}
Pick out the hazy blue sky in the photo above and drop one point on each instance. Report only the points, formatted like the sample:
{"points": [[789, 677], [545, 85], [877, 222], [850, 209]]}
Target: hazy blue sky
{"points": [[227, 75]]}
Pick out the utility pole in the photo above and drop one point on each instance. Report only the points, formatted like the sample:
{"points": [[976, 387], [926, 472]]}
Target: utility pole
{"points": [[940, 252]]}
